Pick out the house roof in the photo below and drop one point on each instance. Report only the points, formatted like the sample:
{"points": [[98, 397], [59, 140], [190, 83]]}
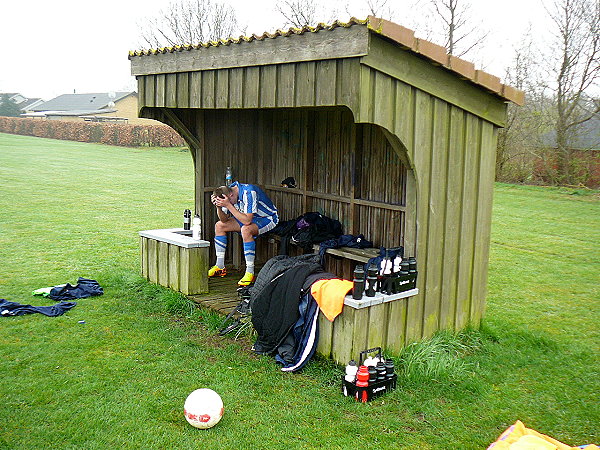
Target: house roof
{"points": [[81, 102], [28, 102], [74, 112], [398, 34]]}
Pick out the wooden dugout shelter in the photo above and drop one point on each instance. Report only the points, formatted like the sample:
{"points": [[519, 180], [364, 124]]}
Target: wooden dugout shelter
{"points": [[382, 131]]}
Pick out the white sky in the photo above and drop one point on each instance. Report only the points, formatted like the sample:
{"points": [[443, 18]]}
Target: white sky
{"points": [[53, 47]]}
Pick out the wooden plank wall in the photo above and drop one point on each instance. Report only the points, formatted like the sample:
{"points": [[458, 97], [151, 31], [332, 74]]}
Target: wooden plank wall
{"points": [[452, 153], [266, 146]]}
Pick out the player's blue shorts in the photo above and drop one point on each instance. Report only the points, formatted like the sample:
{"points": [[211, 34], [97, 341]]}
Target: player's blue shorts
{"points": [[264, 223]]}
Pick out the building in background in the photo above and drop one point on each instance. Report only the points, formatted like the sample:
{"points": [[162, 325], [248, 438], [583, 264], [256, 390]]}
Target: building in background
{"points": [[118, 107], [25, 104]]}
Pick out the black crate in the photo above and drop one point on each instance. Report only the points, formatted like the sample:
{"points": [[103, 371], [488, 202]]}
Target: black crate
{"points": [[372, 391], [394, 284]]}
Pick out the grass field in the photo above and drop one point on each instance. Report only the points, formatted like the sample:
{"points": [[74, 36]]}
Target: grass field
{"points": [[69, 209]]}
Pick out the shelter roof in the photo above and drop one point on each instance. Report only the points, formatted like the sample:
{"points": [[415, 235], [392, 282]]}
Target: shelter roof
{"points": [[398, 34], [79, 102]]}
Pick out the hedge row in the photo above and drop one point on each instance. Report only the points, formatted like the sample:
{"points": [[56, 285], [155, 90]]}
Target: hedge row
{"points": [[106, 133]]}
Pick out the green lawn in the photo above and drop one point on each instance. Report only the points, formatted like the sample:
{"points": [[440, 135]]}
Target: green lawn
{"points": [[69, 209]]}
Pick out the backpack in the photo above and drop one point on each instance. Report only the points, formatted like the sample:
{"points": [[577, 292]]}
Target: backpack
{"points": [[314, 228]]}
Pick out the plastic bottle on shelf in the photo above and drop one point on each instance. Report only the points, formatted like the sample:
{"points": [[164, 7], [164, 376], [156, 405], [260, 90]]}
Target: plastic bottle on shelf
{"points": [[196, 228], [187, 219], [359, 283], [228, 176]]}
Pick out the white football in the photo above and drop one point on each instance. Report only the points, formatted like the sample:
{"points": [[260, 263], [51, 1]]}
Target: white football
{"points": [[203, 408]]}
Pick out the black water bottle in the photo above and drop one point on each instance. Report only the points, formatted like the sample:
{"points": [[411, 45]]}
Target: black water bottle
{"points": [[412, 262], [359, 283], [389, 368], [381, 371], [187, 219], [372, 374], [371, 280], [404, 267]]}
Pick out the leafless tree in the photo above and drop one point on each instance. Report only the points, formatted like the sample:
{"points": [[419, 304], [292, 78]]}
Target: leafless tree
{"points": [[520, 139], [298, 13], [380, 8], [186, 22], [576, 66], [457, 27]]}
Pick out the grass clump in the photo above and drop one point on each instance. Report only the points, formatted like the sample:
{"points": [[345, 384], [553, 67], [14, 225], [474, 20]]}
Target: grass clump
{"points": [[442, 357]]}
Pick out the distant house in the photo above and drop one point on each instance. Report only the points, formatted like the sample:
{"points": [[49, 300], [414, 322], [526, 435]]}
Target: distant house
{"points": [[94, 107], [25, 104]]}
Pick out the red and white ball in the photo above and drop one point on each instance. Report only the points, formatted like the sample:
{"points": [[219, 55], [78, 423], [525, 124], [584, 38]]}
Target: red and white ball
{"points": [[203, 408]]}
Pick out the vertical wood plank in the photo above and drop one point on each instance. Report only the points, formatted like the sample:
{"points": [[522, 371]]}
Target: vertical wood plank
{"points": [[236, 87], [197, 281], [159, 94], [141, 95], [150, 87], [171, 90], [222, 89], [452, 218], [195, 86], [305, 84], [163, 263], [184, 271], [208, 88], [422, 161], [144, 256], [395, 338], [384, 99], [325, 336], [403, 105], [437, 194], [268, 86], [367, 102], [183, 90], [377, 326], [468, 217], [325, 79], [286, 85], [152, 261], [174, 261], [343, 328], [360, 330], [348, 83], [483, 222], [251, 87]]}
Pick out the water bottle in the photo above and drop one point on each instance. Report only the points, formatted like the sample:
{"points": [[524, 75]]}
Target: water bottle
{"points": [[412, 262], [389, 368], [362, 381], [404, 265], [351, 370], [381, 371], [187, 218], [196, 229], [371, 280], [359, 283], [228, 176]]}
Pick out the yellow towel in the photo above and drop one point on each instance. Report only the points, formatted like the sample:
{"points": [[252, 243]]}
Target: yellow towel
{"points": [[519, 437], [330, 294]]}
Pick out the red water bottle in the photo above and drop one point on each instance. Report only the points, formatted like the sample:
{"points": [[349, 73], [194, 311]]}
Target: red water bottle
{"points": [[362, 380]]}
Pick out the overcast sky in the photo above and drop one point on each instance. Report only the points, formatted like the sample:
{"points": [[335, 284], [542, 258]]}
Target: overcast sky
{"points": [[53, 47]]}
